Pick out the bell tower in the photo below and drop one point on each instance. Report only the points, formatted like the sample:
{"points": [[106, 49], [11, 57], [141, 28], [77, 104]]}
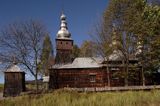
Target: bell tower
{"points": [[64, 43]]}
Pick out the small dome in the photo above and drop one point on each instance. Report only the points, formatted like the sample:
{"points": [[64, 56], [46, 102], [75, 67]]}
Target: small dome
{"points": [[63, 17]]}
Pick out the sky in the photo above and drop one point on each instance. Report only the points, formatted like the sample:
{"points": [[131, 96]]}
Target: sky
{"points": [[82, 15]]}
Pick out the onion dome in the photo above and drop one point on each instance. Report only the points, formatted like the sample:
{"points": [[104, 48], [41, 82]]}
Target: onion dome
{"points": [[116, 55], [114, 38], [63, 33]]}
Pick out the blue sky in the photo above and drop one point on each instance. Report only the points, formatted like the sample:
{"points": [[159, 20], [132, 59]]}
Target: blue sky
{"points": [[82, 15]]}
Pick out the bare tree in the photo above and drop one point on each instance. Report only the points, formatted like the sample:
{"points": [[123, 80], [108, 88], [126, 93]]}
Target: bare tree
{"points": [[102, 40], [23, 41]]}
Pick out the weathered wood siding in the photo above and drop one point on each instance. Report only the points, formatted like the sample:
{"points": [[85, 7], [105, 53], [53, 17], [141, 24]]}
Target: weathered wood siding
{"points": [[14, 83], [81, 78], [64, 51], [64, 44], [91, 77]]}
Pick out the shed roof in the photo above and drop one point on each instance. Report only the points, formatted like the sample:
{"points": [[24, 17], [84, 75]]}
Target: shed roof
{"points": [[14, 68]]}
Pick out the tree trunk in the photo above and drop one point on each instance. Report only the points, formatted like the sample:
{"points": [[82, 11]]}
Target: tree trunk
{"points": [[125, 66], [108, 77], [36, 81], [36, 78], [126, 79], [143, 77]]}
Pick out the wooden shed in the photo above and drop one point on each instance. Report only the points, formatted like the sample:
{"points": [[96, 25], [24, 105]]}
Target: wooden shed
{"points": [[14, 81]]}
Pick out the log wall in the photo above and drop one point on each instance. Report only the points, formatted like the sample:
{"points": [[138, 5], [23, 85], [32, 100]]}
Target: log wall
{"points": [[90, 77]]}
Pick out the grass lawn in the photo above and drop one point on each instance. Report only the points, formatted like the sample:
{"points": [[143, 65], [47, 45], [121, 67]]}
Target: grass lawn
{"points": [[1, 87], [72, 98]]}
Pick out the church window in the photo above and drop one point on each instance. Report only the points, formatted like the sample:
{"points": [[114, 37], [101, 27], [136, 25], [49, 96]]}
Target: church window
{"points": [[92, 77]]}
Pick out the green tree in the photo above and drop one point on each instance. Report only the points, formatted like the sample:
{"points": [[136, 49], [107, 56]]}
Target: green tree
{"points": [[150, 39], [136, 21], [76, 51], [132, 24], [46, 55], [86, 49], [120, 15]]}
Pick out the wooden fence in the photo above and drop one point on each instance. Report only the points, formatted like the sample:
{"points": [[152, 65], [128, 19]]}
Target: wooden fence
{"points": [[104, 89]]}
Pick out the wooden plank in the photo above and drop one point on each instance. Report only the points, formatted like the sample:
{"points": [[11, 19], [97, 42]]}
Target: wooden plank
{"points": [[103, 89]]}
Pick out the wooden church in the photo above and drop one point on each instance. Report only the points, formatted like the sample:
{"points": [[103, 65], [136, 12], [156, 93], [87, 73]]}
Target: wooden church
{"points": [[88, 72]]}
